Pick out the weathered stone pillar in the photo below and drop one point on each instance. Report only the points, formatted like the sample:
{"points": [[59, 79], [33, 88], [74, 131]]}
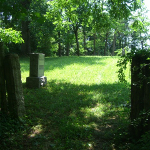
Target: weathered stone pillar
{"points": [[36, 78], [2, 81], [14, 86]]}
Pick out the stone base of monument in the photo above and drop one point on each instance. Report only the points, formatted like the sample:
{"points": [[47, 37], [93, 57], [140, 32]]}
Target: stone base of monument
{"points": [[36, 82]]}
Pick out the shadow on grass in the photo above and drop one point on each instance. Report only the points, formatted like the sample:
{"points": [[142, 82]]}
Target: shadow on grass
{"points": [[67, 116]]}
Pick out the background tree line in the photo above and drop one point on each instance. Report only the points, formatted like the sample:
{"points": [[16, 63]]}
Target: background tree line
{"points": [[86, 27]]}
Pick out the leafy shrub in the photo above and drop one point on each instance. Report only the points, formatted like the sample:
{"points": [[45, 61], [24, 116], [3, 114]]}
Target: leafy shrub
{"points": [[143, 143]]}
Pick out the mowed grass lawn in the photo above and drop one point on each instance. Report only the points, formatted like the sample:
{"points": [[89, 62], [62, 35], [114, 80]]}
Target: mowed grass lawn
{"points": [[82, 107]]}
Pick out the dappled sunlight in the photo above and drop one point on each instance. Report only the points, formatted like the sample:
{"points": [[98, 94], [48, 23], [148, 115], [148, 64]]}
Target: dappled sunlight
{"points": [[81, 106], [73, 115], [68, 110], [35, 130], [96, 111]]}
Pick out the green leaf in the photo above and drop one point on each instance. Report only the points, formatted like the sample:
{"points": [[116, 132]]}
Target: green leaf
{"points": [[10, 35]]}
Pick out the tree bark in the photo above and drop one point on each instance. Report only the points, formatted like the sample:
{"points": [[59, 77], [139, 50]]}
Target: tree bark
{"points": [[67, 49], [25, 47], [114, 44], [59, 45], [77, 42], [106, 39], [119, 45], [84, 39], [2, 81], [94, 43]]}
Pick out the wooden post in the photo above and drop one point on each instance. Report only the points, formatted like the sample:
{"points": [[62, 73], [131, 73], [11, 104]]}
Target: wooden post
{"points": [[2, 81], [14, 86], [140, 95]]}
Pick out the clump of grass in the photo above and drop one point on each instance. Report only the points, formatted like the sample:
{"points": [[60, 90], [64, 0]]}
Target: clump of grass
{"points": [[81, 107]]}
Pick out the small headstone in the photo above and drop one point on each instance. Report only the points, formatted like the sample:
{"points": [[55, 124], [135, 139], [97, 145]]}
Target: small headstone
{"points": [[37, 65], [36, 78]]}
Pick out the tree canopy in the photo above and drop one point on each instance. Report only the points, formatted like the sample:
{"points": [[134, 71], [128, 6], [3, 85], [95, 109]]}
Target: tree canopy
{"points": [[57, 27]]}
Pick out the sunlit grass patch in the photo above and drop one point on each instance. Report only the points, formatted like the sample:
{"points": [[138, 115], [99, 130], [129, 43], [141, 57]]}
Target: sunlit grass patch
{"points": [[90, 71]]}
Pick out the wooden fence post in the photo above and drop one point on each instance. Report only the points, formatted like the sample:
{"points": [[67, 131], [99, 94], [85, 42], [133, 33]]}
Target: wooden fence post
{"points": [[14, 86], [2, 81], [140, 95]]}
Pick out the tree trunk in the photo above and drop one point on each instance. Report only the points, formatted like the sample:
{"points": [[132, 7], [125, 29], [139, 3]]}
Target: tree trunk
{"points": [[125, 42], [84, 39], [67, 49], [106, 39], [77, 42], [114, 44], [94, 43], [2, 81], [59, 45], [142, 45], [25, 47], [119, 45], [67, 44]]}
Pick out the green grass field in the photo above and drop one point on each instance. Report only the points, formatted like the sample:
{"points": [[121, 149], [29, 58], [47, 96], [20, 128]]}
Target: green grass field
{"points": [[81, 108]]}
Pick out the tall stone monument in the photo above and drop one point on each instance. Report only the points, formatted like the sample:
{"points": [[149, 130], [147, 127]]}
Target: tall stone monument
{"points": [[36, 78]]}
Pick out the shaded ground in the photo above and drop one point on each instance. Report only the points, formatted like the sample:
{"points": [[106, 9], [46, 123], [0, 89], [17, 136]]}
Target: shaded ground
{"points": [[68, 116]]}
